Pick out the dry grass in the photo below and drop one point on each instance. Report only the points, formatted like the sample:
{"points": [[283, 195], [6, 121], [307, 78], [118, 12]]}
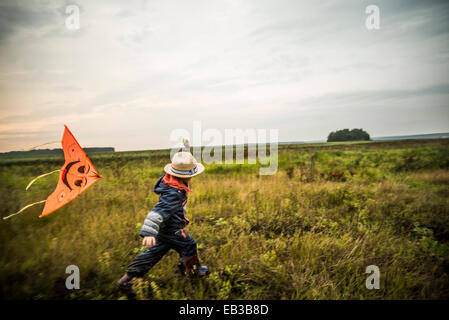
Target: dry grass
{"points": [[307, 232]]}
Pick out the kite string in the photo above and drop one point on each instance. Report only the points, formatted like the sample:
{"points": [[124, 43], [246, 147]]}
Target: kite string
{"points": [[38, 177], [27, 206], [44, 144]]}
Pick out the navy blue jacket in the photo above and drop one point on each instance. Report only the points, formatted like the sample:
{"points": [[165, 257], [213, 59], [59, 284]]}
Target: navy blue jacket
{"points": [[169, 214]]}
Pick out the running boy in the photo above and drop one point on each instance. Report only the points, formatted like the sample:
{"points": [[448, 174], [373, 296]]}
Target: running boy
{"points": [[163, 228]]}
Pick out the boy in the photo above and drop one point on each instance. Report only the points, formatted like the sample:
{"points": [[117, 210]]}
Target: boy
{"points": [[163, 228]]}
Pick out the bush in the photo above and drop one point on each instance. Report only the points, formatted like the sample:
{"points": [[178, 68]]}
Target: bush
{"points": [[348, 135]]}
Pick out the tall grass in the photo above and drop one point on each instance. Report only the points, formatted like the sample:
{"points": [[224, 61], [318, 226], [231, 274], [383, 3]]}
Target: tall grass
{"points": [[307, 232]]}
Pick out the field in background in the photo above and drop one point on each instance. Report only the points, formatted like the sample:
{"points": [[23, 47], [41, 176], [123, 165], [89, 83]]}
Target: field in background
{"points": [[307, 232]]}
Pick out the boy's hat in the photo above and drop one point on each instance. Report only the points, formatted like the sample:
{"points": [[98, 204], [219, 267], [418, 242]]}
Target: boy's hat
{"points": [[184, 165]]}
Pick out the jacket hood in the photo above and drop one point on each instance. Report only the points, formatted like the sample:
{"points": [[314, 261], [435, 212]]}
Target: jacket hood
{"points": [[160, 187], [166, 182]]}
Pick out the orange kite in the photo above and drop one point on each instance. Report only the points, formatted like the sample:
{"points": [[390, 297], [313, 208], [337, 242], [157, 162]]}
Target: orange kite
{"points": [[76, 175]]}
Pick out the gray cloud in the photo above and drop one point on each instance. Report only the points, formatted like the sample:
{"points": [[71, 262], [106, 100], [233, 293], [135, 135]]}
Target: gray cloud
{"points": [[144, 68], [15, 15], [376, 96]]}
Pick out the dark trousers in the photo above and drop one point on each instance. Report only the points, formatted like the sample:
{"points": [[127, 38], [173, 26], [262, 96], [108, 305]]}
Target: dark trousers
{"points": [[180, 241]]}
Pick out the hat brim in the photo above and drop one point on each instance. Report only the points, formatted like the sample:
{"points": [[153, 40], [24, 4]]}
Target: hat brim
{"points": [[168, 169]]}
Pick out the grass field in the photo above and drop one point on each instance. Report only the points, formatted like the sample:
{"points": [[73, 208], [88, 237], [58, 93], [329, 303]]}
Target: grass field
{"points": [[307, 232]]}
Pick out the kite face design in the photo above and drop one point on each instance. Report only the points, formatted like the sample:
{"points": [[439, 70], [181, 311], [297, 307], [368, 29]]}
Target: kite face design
{"points": [[76, 175]]}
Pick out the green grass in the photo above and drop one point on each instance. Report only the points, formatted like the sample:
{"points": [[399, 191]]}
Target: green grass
{"points": [[307, 232]]}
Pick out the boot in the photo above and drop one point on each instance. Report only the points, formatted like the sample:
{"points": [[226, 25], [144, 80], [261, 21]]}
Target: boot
{"points": [[125, 284], [187, 264], [200, 271], [191, 266]]}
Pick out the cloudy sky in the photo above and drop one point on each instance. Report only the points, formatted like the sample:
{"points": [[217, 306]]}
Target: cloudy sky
{"points": [[136, 70]]}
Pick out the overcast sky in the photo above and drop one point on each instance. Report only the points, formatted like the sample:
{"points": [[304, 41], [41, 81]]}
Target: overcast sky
{"points": [[136, 70]]}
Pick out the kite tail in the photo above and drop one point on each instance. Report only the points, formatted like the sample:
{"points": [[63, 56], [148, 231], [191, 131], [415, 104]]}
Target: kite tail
{"points": [[27, 206], [44, 144], [38, 177]]}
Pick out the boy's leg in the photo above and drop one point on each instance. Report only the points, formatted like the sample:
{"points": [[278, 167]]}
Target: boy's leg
{"points": [[147, 259], [186, 246]]}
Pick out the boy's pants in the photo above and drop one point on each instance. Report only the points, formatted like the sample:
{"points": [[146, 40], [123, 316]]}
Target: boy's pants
{"points": [[180, 241]]}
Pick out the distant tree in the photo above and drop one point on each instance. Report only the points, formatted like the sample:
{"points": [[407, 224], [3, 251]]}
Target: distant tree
{"points": [[348, 135]]}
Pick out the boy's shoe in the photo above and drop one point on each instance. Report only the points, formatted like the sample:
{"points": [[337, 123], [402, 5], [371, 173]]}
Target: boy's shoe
{"points": [[125, 284], [201, 271], [197, 270], [187, 264]]}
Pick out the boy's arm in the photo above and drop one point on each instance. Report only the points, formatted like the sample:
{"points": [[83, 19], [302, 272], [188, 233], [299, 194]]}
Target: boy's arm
{"points": [[151, 224], [154, 219]]}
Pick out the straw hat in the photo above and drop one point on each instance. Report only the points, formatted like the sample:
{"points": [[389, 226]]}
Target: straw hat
{"points": [[184, 165]]}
